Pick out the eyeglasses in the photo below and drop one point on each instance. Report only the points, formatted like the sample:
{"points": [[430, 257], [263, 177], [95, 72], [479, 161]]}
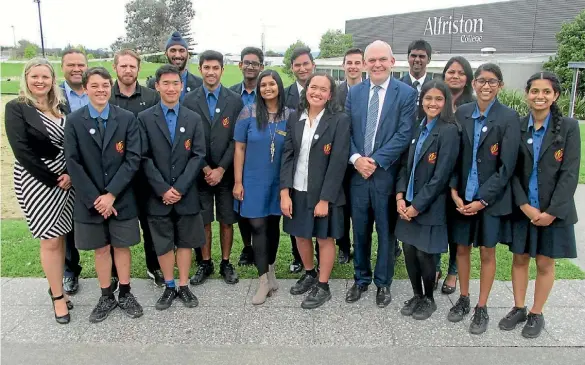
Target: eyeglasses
{"points": [[490, 82], [251, 64]]}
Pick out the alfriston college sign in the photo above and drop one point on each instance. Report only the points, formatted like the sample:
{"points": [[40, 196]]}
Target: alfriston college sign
{"points": [[470, 29]]}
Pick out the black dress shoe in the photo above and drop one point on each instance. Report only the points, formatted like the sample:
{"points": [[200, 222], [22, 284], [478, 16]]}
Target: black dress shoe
{"points": [[343, 257], [534, 325], [303, 285], [70, 285], [316, 298], [296, 267], [204, 271], [228, 273], [383, 297], [355, 293], [247, 256], [60, 319], [157, 277]]}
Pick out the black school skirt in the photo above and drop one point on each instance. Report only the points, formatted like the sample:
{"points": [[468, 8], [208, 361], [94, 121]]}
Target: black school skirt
{"points": [[305, 225], [429, 239], [555, 242], [480, 229]]}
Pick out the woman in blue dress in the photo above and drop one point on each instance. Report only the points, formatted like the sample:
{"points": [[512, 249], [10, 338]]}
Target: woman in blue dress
{"points": [[259, 136]]}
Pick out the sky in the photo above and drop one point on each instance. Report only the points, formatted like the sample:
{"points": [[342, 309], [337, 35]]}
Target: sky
{"points": [[223, 25]]}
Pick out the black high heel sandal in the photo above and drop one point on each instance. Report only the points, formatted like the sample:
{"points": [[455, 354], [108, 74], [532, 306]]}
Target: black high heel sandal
{"points": [[61, 319], [68, 302], [446, 289]]}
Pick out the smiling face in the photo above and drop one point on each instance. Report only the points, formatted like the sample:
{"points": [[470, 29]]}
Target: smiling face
{"points": [[379, 62], [211, 71], [251, 66], [169, 87], [318, 92], [39, 81], [268, 88], [418, 61], [178, 56], [487, 86], [541, 95], [353, 66], [302, 68], [127, 70], [74, 65], [98, 89], [433, 103], [455, 77]]}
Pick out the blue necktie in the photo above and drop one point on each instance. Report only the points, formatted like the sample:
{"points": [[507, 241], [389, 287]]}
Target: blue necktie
{"points": [[371, 121]]}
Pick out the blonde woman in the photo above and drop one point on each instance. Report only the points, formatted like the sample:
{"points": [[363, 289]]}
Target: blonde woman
{"points": [[35, 131]]}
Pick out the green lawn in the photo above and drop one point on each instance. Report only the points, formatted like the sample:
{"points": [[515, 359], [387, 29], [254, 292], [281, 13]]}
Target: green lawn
{"points": [[231, 76], [20, 257], [582, 167]]}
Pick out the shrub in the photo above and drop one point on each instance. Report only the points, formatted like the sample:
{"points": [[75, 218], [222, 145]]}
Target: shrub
{"points": [[517, 101]]}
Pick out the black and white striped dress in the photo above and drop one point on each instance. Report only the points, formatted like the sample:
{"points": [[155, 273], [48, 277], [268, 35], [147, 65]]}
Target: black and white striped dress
{"points": [[48, 210]]}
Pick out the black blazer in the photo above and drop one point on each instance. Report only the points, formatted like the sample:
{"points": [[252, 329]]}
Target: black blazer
{"points": [[219, 132], [558, 171], [30, 140], [463, 99], [496, 156], [327, 158], [292, 96], [193, 82], [237, 88], [436, 162], [176, 164], [98, 167], [65, 106], [407, 81], [342, 94]]}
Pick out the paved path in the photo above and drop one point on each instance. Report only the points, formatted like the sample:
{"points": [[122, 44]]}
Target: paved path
{"points": [[227, 328]]}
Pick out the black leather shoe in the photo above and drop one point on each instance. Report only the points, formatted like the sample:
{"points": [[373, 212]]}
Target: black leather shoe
{"points": [[228, 273], [296, 267], [247, 256], [316, 298], [70, 285], [187, 297], [512, 319], [383, 297], [342, 257], [303, 285], [355, 293], [157, 277], [60, 319], [166, 299], [203, 272]]}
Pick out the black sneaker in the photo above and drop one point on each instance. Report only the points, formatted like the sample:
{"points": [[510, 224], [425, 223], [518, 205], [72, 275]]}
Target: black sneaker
{"points": [[228, 273], [303, 285], [114, 284], [534, 325], [424, 309], [166, 299], [459, 310], [103, 308], [247, 256], [130, 306], [187, 297], [410, 305], [204, 271], [511, 320], [316, 298], [296, 267], [479, 321], [157, 277]]}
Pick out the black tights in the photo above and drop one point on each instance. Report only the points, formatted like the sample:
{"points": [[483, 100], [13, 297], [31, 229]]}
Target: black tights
{"points": [[421, 270], [265, 239]]}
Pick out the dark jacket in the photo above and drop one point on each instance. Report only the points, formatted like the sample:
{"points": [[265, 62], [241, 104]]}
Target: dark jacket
{"points": [[142, 99], [237, 88], [327, 158], [437, 159], [193, 82], [292, 96], [558, 171], [342, 94], [219, 132], [66, 107], [169, 165], [30, 140], [496, 156], [97, 167]]}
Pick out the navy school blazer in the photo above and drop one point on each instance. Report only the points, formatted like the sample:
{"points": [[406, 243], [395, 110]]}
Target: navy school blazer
{"points": [[436, 162], [496, 156], [97, 167], [327, 157], [558, 171]]}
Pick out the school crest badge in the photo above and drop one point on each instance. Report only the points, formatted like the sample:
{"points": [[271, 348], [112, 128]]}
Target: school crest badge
{"points": [[188, 144], [225, 122], [120, 147], [559, 155], [327, 149], [495, 149], [432, 157]]}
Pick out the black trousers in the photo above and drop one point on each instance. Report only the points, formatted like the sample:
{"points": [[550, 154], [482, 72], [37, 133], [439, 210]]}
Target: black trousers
{"points": [[421, 270], [72, 267], [265, 239]]}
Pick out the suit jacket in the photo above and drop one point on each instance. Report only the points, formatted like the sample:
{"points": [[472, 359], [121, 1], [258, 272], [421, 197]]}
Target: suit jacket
{"points": [[237, 88], [219, 132], [327, 157], [193, 82], [292, 96], [558, 171], [97, 167], [393, 134], [496, 156], [436, 162], [65, 106], [342, 93], [30, 140], [175, 164]]}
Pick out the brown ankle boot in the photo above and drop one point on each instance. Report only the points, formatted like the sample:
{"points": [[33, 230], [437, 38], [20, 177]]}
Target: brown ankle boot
{"points": [[272, 278], [264, 290]]}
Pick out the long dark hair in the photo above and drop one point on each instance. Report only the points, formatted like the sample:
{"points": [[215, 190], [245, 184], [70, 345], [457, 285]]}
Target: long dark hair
{"points": [[447, 114], [555, 111], [467, 95], [261, 110], [332, 106]]}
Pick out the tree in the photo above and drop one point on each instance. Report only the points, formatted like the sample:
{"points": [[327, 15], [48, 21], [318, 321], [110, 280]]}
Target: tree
{"points": [[22, 45], [181, 14], [571, 47], [334, 43], [271, 53], [31, 51], [286, 61]]}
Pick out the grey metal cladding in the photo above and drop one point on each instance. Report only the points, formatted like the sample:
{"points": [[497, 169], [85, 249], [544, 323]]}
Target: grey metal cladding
{"points": [[521, 26]]}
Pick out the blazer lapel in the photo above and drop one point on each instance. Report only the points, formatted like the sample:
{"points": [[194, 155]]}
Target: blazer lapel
{"points": [[33, 118], [161, 122], [299, 128], [202, 101], [321, 128], [427, 143], [526, 136], [221, 104], [181, 122], [391, 95], [490, 118], [111, 126], [548, 140], [91, 128], [412, 150]]}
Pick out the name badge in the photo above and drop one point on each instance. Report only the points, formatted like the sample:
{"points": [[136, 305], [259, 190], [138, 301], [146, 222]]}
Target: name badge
{"points": [[282, 133], [316, 136], [414, 139], [217, 110]]}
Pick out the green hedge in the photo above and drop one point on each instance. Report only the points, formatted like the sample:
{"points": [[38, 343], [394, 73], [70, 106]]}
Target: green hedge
{"points": [[517, 101]]}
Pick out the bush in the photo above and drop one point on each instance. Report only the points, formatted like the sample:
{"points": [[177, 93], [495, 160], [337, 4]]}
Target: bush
{"points": [[517, 101]]}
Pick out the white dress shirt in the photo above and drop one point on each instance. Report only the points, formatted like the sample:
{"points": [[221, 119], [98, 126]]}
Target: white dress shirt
{"points": [[300, 88], [301, 178], [421, 81], [381, 96]]}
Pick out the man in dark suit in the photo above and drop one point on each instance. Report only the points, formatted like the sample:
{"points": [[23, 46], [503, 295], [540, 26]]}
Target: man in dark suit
{"points": [[382, 115], [419, 56], [173, 145], [177, 52], [128, 94], [219, 108], [73, 65], [251, 64], [102, 152]]}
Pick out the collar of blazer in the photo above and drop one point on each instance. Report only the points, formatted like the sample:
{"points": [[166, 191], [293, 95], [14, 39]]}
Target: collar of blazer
{"points": [[112, 125], [391, 96], [161, 122], [202, 102], [321, 128], [433, 134], [32, 117], [547, 141], [492, 115]]}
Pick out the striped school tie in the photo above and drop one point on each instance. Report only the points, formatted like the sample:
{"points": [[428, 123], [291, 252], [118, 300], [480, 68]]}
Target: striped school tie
{"points": [[371, 121]]}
